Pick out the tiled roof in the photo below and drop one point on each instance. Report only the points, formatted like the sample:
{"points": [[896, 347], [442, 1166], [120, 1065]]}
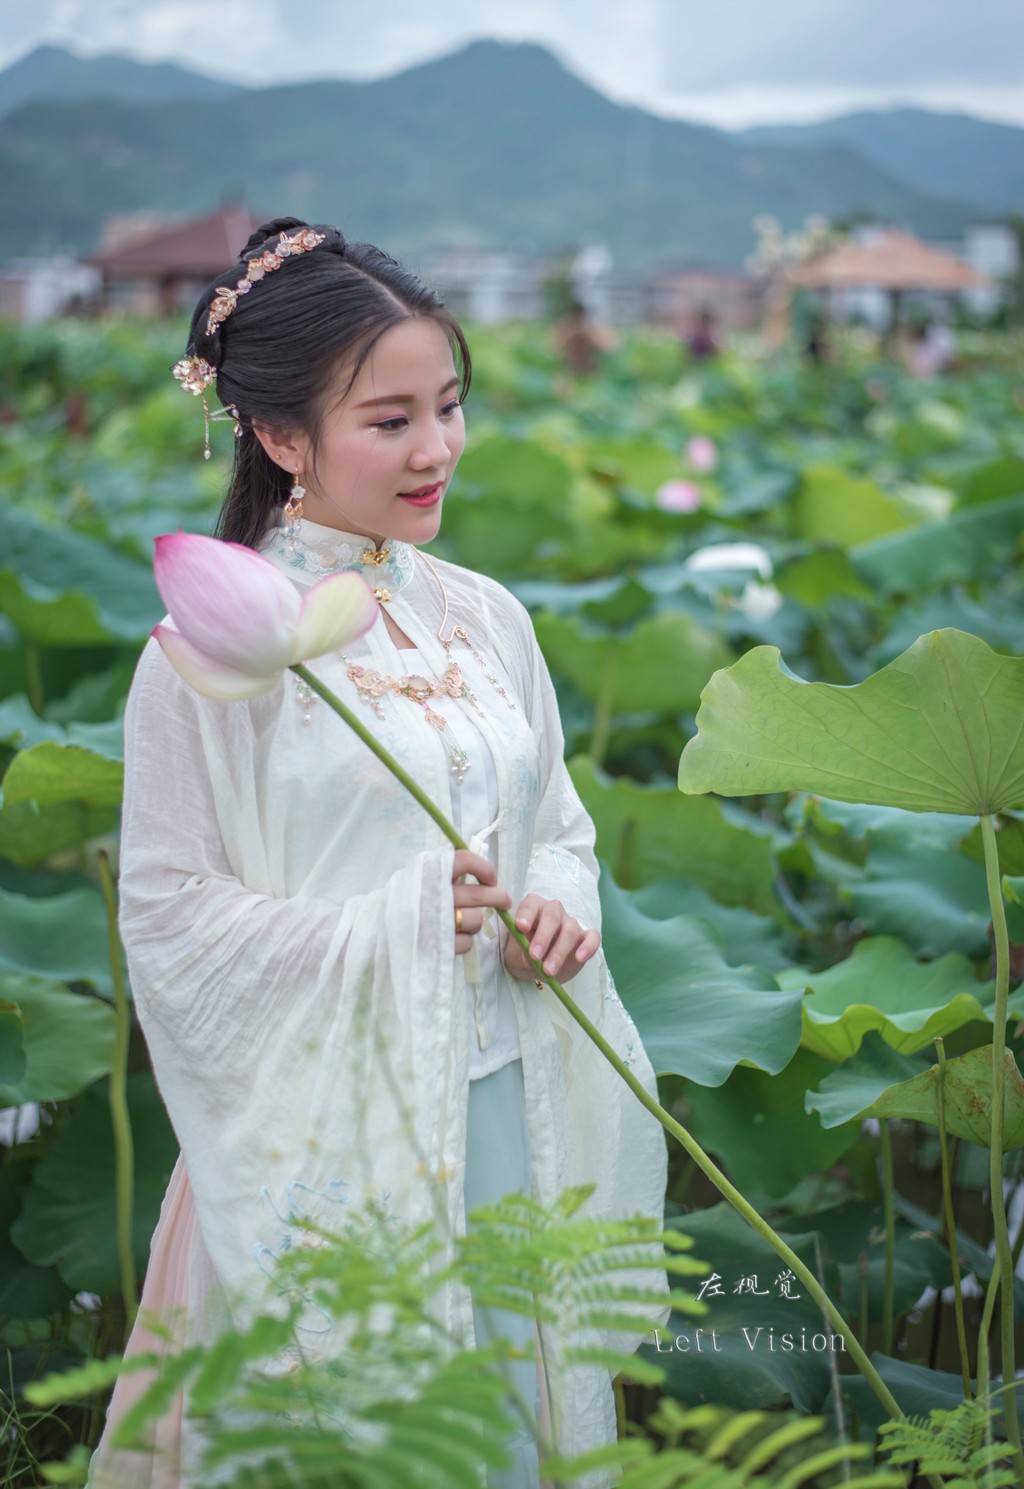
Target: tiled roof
{"points": [[201, 247]]}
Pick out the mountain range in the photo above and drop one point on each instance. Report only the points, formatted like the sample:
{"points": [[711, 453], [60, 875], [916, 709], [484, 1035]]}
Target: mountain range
{"points": [[495, 146]]}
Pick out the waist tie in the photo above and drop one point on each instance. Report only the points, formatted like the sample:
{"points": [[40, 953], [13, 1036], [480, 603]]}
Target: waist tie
{"points": [[471, 961]]}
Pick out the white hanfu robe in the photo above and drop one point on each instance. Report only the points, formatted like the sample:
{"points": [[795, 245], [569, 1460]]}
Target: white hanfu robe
{"points": [[288, 920]]}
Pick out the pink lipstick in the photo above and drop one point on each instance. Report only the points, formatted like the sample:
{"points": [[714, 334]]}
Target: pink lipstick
{"points": [[426, 496]]}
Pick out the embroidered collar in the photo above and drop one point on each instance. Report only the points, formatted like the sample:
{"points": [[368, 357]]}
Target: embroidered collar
{"points": [[320, 551]]}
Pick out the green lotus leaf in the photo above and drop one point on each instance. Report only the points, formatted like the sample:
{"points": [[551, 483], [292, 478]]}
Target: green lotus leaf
{"points": [[61, 936], [12, 1044], [660, 666], [21, 726], [63, 589], [965, 546], [639, 463], [69, 1216], [848, 1091], [746, 937], [697, 1016], [1013, 888], [49, 774], [818, 577], [917, 1389], [1003, 476], [68, 1040], [758, 1126], [652, 832], [530, 486], [883, 987], [831, 506], [938, 730], [852, 1234], [29, 836], [26, 1291], [732, 1362], [967, 1093], [918, 888]]}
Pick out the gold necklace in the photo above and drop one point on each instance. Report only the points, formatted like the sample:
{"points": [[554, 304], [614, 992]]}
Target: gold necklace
{"points": [[371, 687]]}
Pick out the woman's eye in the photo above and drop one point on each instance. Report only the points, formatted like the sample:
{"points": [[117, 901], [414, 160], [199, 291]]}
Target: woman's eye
{"points": [[392, 426], [450, 408]]}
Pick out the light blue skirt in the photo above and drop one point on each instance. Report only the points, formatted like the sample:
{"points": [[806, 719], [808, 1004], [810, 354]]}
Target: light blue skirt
{"points": [[498, 1163]]}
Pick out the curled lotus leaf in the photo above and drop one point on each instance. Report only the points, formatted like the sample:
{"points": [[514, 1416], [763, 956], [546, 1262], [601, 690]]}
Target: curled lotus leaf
{"points": [[940, 729]]}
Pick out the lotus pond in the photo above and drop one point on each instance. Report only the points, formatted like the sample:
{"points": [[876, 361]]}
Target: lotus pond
{"points": [[807, 934]]}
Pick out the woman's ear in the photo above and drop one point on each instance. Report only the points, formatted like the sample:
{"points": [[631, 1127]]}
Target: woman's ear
{"points": [[286, 448]]}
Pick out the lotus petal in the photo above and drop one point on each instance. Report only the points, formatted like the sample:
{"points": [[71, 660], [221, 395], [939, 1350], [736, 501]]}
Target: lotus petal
{"points": [[230, 602], [208, 675], [334, 612]]}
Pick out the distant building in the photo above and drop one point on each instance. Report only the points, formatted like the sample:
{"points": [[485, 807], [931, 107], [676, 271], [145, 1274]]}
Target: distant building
{"points": [[994, 250], [149, 268], [38, 289], [486, 287]]}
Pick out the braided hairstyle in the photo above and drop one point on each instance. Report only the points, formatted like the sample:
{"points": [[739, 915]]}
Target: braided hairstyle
{"points": [[277, 353]]}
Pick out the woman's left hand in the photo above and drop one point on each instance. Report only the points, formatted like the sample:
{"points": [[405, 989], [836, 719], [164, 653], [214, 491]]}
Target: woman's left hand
{"points": [[556, 940]]}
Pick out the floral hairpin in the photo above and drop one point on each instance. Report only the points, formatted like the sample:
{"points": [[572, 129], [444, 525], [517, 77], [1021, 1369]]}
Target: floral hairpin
{"points": [[195, 375], [227, 298]]}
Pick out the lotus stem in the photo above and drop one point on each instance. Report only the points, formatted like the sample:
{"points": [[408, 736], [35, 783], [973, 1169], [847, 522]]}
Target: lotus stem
{"points": [[603, 712], [1001, 1233], [889, 1220], [949, 1222], [728, 1190], [124, 1151]]}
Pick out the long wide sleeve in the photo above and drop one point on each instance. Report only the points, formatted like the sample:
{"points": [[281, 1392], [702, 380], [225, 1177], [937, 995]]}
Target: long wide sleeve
{"points": [[274, 1019]]}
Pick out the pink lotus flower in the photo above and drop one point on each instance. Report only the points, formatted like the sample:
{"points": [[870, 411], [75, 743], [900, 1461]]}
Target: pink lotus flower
{"points": [[238, 622], [678, 496], [701, 454]]}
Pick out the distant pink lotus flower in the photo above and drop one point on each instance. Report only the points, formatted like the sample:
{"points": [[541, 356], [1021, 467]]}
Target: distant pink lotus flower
{"points": [[701, 454], [678, 496], [238, 622]]}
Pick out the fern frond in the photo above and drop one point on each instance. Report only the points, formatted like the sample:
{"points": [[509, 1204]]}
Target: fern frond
{"points": [[943, 1444]]}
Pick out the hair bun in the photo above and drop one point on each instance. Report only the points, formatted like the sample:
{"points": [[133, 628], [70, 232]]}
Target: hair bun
{"points": [[333, 237], [270, 230]]}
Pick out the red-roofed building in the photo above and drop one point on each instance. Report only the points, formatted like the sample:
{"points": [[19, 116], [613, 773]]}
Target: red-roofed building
{"points": [[161, 270]]}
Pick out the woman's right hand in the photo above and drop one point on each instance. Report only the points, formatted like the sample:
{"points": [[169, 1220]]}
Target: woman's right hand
{"points": [[472, 899]]}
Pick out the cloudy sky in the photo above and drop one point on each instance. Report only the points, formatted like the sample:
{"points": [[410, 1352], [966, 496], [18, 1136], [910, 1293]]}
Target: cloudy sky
{"points": [[728, 62]]}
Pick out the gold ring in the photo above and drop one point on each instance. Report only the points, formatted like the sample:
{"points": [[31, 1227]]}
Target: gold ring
{"points": [[537, 983], [458, 919]]}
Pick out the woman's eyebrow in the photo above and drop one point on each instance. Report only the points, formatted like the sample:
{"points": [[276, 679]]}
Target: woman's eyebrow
{"points": [[404, 397]]}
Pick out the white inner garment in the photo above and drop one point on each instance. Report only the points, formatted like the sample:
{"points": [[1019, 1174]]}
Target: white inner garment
{"points": [[493, 1031]]}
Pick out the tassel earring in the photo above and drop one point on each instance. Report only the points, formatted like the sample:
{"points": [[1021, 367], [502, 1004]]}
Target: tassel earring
{"points": [[292, 512]]}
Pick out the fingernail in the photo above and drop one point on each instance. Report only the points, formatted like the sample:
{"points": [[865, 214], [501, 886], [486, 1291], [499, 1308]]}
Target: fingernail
{"points": [[550, 965], [536, 949]]}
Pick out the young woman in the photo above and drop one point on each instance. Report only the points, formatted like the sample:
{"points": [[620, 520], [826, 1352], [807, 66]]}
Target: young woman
{"points": [[334, 1013]]}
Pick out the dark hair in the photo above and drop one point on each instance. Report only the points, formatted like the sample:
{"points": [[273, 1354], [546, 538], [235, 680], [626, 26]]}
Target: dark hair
{"points": [[275, 353]]}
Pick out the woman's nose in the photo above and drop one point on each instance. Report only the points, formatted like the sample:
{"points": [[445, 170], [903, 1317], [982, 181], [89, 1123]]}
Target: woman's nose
{"points": [[432, 447]]}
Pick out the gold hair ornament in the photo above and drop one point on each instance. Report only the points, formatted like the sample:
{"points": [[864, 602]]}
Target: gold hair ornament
{"points": [[227, 298]]}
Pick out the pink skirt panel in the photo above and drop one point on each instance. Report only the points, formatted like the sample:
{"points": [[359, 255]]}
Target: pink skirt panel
{"points": [[165, 1292]]}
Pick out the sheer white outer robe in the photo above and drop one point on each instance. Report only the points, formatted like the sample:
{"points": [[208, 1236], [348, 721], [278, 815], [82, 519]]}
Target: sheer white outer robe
{"points": [[287, 914]]}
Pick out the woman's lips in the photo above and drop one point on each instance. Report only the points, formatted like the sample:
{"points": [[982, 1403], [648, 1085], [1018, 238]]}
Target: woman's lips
{"points": [[426, 496]]}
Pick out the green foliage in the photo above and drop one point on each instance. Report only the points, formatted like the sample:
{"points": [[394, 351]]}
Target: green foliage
{"points": [[935, 731], [386, 1398], [950, 1443], [789, 962]]}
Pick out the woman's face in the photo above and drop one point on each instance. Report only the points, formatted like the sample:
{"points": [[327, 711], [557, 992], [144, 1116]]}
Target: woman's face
{"points": [[388, 448]]}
